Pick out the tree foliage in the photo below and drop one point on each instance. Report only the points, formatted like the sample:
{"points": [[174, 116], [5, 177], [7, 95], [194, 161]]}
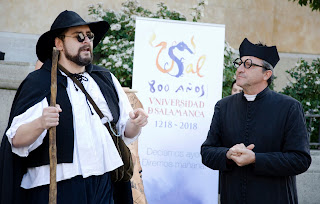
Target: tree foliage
{"points": [[229, 70], [313, 4], [304, 85]]}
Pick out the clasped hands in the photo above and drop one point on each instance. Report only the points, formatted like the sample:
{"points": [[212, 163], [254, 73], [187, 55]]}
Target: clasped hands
{"points": [[241, 154]]}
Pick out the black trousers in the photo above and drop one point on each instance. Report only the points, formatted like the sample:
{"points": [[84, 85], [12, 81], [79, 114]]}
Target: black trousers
{"points": [[77, 190], [122, 193]]}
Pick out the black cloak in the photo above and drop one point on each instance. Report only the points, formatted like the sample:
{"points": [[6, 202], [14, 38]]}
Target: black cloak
{"points": [[32, 90]]}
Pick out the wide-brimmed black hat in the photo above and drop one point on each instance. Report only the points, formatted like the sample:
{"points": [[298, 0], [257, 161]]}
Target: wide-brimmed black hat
{"points": [[269, 54], [65, 20]]}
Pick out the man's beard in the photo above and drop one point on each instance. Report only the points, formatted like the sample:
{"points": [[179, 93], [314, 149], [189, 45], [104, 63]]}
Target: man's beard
{"points": [[77, 59]]}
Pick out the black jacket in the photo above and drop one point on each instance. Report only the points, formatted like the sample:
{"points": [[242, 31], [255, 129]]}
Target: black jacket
{"points": [[275, 124], [32, 90]]}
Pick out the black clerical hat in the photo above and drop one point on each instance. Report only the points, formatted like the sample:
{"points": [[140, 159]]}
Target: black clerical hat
{"points": [[269, 54], [67, 19]]}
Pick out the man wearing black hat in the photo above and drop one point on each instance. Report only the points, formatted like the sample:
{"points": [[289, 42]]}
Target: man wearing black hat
{"points": [[85, 151], [258, 138]]}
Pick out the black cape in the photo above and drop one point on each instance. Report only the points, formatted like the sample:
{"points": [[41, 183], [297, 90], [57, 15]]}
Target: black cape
{"points": [[275, 124], [32, 90]]}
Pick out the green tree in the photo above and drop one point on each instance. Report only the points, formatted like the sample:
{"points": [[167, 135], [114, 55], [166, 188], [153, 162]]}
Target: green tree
{"points": [[304, 85], [313, 4], [229, 70]]}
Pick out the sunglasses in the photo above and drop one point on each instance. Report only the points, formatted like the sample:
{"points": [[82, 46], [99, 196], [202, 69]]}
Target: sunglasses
{"points": [[81, 37]]}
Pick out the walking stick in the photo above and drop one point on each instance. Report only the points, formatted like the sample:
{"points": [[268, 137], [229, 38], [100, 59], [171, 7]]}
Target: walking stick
{"points": [[52, 131]]}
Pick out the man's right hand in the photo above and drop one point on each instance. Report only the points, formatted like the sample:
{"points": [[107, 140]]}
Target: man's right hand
{"points": [[28, 133], [50, 117]]}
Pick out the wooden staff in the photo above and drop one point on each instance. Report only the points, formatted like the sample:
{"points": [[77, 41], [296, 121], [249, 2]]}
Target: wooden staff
{"points": [[52, 131]]}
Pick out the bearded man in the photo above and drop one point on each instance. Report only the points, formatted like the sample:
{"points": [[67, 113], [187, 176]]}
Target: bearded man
{"points": [[85, 150]]}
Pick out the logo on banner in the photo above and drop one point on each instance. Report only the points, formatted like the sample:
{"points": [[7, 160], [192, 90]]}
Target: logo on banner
{"points": [[173, 57], [184, 49]]}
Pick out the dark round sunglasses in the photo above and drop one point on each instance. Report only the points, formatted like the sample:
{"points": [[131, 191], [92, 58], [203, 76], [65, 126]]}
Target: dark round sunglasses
{"points": [[81, 37], [247, 63]]}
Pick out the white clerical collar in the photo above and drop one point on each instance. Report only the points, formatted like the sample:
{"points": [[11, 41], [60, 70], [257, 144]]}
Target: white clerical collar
{"points": [[250, 97]]}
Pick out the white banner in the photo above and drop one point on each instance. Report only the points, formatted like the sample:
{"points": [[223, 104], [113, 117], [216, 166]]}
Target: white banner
{"points": [[178, 72]]}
